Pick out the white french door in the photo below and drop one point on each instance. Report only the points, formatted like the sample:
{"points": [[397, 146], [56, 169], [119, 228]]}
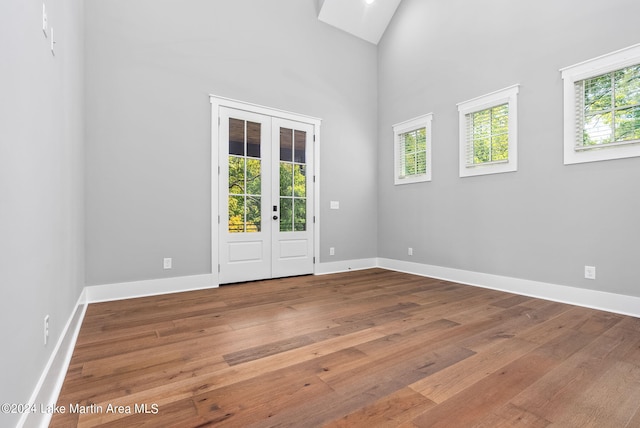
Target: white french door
{"points": [[266, 227]]}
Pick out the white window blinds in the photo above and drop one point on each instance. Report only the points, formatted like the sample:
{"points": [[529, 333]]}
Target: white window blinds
{"points": [[488, 133], [602, 107], [608, 109], [412, 150]]}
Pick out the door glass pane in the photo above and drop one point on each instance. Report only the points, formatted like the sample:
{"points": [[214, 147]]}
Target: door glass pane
{"points": [[286, 214], [300, 146], [286, 144], [300, 214], [293, 180], [254, 179], [236, 137], [236, 214], [300, 181], [236, 175], [286, 179], [253, 214], [253, 139], [245, 176]]}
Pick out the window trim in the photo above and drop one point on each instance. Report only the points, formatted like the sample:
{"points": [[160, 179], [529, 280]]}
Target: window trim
{"points": [[508, 95], [594, 67], [423, 121]]}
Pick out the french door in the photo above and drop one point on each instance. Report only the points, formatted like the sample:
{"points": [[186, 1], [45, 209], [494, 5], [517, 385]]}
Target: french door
{"points": [[265, 196]]}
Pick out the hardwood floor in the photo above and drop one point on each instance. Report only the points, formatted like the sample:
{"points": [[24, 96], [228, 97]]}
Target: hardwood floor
{"points": [[369, 348]]}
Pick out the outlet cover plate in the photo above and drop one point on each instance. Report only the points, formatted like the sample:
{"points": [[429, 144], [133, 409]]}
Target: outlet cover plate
{"points": [[590, 272]]}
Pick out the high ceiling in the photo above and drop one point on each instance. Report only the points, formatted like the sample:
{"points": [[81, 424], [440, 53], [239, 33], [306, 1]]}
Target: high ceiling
{"points": [[367, 21]]}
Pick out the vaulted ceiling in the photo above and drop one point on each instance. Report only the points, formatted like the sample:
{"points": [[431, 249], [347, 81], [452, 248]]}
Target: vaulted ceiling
{"points": [[358, 17]]}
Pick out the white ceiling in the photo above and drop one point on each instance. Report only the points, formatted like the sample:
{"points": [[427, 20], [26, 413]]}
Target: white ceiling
{"points": [[367, 21]]}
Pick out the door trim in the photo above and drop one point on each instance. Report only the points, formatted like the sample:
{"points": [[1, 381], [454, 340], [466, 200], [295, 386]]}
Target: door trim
{"points": [[216, 103]]}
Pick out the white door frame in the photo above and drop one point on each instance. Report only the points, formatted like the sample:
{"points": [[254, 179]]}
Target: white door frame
{"points": [[216, 103]]}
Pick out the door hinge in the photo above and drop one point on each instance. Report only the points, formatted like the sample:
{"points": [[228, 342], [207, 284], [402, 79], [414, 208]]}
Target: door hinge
{"points": [[314, 260], [218, 169], [218, 268], [314, 178], [314, 219], [314, 138], [218, 218], [218, 120]]}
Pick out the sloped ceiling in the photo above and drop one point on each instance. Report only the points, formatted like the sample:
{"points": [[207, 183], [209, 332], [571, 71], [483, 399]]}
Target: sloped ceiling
{"points": [[367, 21]]}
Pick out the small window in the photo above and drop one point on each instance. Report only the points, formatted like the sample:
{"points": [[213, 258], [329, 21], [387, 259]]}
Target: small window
{"points": [[413, 150], [602, 107], [488, 133]]}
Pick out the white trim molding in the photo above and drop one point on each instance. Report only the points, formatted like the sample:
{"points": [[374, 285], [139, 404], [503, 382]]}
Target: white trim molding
{"points": [[150, 287], [345, 266], [600, 300], [45, 394]]}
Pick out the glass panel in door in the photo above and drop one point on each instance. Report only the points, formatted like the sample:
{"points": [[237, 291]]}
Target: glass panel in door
{"points": [[245, 177], [293, 180]]}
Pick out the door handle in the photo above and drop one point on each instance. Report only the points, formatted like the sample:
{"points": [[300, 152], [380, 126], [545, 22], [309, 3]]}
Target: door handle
{"points": [[275, 217]]}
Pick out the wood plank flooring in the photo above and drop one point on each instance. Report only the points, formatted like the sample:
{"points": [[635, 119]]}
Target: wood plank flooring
{"points": [[372, 348]]}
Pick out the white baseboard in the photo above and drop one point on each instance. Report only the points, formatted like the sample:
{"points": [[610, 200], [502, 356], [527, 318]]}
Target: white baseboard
{"points": [[610, 302], [50, 383], [345, 266], [151, 287]]}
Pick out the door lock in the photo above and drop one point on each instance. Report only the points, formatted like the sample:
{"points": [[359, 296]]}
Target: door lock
{"points": [[275, 217]]}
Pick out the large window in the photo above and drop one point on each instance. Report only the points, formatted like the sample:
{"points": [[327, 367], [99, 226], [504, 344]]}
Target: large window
{"points": [[488, 133], [413, 150], [602, 107]]}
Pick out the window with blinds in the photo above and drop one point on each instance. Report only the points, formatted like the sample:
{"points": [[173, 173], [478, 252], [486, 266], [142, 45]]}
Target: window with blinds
{"points": [[609, 109], [602, 107], [413, 150], [488, 133]]}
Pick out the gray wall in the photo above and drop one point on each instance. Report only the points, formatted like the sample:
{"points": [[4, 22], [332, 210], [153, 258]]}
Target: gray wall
{"points": [[41, 187], [546, 221], [150, 67]]}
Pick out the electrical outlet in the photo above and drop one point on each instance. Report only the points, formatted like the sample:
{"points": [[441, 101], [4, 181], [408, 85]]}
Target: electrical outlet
{"points": [[410, 251], [590, 272], [46, 329], [332, 251], [167, 263]]}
